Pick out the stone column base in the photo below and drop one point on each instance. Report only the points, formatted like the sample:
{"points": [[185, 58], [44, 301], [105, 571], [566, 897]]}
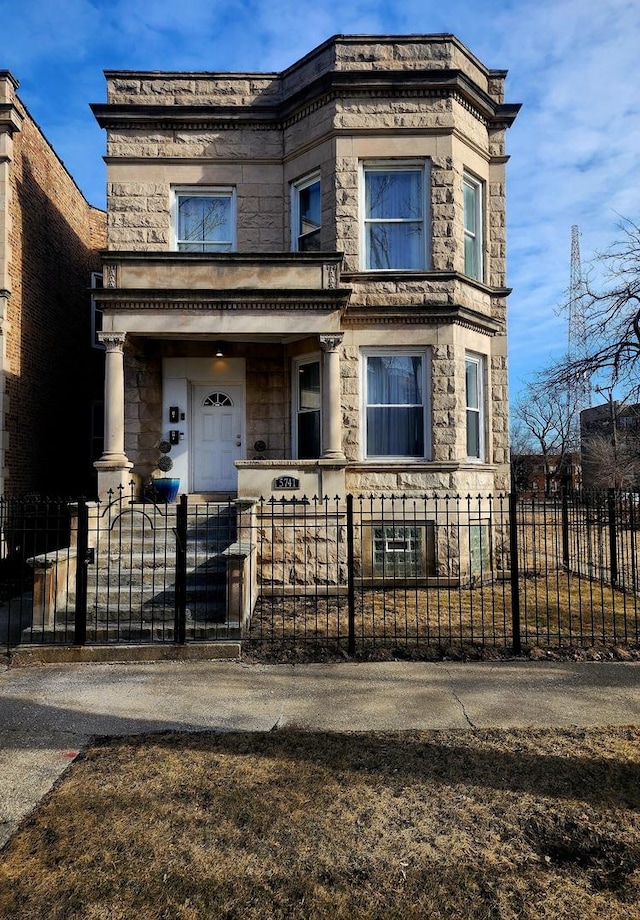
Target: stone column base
{"points": [[115, 480], [333, 477]]}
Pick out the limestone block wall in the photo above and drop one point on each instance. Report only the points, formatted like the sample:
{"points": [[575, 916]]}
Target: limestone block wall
{"points": [[143, 408], [186, 88], [139, 198], [268, 406]]}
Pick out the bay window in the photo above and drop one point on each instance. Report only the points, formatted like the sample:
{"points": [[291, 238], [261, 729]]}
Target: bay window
{"points": [[395, 403], [394, 216]]}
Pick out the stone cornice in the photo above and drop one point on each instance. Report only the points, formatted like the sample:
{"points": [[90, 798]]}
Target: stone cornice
{"points": [[225, 258], [422, 315], [337, 84], [242, 299]]}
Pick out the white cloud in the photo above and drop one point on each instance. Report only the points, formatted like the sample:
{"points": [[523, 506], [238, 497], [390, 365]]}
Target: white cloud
{"points": [[573, 63]]}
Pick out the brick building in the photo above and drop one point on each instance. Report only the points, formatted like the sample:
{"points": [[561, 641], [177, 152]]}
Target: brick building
{"points": [[50, 376], [610, 445], [305, 277]]}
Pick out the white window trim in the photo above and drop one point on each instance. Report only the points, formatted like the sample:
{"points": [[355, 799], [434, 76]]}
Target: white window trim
{"points": [[297, 363], [477, 234], [398, 165], [96, 326], [405, 351], [481, 364], [203, 191], [296, 187]]}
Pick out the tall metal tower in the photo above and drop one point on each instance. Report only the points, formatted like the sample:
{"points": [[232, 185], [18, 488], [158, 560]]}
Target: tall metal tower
{"points": [[577, 333]]}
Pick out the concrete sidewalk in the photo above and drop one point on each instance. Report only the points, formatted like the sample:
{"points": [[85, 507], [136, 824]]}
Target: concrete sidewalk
{"points": [[48, 714]]}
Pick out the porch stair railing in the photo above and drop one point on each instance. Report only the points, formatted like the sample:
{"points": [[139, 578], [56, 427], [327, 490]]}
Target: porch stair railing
{"points": [[157, 570]]}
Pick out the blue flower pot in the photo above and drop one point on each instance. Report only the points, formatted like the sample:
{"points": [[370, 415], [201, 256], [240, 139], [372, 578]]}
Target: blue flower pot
{"points": [[166, 490]]}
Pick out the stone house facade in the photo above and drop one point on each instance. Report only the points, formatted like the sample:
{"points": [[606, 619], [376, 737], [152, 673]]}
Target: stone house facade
{"points": [[304, 281], [50, 240]]}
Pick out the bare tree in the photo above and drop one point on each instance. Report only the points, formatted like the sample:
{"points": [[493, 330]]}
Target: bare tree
{"points": [[611, 306], [546, 418], [608, 464]]}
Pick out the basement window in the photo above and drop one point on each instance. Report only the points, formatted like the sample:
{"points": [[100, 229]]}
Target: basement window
{"points": [[398, 551]]}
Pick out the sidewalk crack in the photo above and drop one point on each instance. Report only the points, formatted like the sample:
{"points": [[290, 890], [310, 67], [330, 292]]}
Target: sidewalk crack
{"points": [[459, 701]]}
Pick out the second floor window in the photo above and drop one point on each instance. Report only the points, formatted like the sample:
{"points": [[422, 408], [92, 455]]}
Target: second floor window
{"points": [[306, 214], [205, 220], [472, 190], [394, 209]]}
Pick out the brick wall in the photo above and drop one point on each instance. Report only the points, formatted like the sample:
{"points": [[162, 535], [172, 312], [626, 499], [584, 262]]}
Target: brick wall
{"points": [[52, 371]]}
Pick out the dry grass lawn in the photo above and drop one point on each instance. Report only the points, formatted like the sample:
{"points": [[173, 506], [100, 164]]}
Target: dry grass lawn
{"points": [[558, 610], [464, 824]]}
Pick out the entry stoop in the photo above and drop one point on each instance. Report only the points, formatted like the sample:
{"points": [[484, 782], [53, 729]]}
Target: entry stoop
{"points": [[151, 561]]}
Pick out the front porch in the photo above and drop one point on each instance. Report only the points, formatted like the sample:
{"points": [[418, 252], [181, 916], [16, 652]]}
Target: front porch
{"points": [[239, 387]]}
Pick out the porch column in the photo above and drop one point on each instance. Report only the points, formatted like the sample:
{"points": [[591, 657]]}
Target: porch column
{"points": [[331, 400], [113, 466]]}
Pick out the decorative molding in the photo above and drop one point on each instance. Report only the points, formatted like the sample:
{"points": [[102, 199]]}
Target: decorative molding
{"points": [[424, 316], [330, 271], [424, 83], [112, 341], [111, 276], [331, 342], [247, 306], [260, 301]]}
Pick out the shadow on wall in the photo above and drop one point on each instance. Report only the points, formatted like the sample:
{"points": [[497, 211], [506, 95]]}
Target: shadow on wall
{"points": [[56, 373]]}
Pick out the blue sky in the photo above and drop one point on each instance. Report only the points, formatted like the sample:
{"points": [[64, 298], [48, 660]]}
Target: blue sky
{"points": [[574, 64]]}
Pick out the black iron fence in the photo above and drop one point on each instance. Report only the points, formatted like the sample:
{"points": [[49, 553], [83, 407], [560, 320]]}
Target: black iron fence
{"points": [[427, 575]]}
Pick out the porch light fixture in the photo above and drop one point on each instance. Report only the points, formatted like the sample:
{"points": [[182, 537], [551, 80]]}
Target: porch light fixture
{"points": [[219, 351]]}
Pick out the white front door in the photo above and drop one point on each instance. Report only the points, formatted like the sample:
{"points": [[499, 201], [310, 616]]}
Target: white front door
{"points": [[218, 428]]}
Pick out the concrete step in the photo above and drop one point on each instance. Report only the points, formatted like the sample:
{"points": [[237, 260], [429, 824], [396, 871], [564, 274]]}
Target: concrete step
{"points": [[105, 633]]}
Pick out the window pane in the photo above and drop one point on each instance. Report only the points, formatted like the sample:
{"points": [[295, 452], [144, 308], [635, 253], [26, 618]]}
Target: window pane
{"points": [[398, 246], [396, 194], [471, 260], [398, 551], [470, 202], [309, 208], [309, 386], [395, 432], [308, 435], [394, 380], [310, 242], [473, 394], [204, 219], [473, 433]]}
